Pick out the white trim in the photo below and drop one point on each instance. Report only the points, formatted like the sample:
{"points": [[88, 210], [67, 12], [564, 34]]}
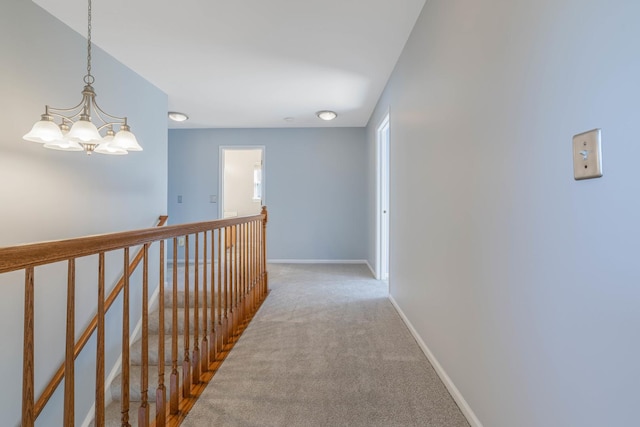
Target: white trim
{"points": [[373, 272], [453, 390], [324, 261], [118, 365], [384, 123], [90, 416], [317, 261], [292, 261]]}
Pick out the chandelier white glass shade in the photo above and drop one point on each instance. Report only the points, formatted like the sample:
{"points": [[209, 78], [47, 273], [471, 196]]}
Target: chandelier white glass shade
{"points": [[76, 131], [107, 147]]}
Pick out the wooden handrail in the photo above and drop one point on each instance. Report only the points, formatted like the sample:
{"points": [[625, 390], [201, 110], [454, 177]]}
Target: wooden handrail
{"points": [[86, 335], [35, 254]]}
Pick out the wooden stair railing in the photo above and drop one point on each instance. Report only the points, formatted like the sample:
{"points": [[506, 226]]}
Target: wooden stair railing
{"points": [[232, 290], [86, 335]]}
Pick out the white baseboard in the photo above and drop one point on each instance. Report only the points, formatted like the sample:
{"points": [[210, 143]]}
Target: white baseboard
{"points": [[316, 261], [453, 390], [373, 272], [118, 365], [323, 261]]}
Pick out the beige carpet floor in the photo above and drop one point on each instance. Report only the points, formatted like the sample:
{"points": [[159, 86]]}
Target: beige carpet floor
{"points": [[327, 348]]}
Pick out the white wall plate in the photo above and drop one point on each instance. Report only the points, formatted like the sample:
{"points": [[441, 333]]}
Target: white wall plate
{"points": [[587, 155]]}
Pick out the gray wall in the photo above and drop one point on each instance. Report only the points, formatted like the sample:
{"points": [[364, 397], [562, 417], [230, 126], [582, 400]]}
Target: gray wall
{"points": [[523, 283], [49, 195], [315, 186]]}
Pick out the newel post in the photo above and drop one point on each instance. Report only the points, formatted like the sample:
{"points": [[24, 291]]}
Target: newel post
{"points": [[264, 249]]}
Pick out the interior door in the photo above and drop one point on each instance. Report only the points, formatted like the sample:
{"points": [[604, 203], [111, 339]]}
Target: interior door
{"points": [[383, 198]]}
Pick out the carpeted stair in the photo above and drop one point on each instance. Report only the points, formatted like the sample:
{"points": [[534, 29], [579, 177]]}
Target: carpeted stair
{"points": [[113, 416]]}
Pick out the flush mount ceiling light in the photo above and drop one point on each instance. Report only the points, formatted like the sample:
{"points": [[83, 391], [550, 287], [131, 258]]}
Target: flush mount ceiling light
{"points": [[178, 117], [76, 131], [327, 115]]}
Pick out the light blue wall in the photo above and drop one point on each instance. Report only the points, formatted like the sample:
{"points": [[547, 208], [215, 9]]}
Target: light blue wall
{"points": [[315, 186], [47, 195], [523, 282]]}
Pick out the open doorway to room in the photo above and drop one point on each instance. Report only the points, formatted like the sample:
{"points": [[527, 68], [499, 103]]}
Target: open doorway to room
{"points": [[382, 240], [241, 181]]}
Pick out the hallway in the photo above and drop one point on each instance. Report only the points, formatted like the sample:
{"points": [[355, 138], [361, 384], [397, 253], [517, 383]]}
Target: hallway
{"points": [[327, 348]]}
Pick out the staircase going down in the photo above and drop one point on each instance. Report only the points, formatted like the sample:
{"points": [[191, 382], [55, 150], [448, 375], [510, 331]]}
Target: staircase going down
{"points": [[211, 352]]}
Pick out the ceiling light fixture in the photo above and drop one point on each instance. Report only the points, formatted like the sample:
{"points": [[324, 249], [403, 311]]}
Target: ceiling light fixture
{"points": [[327, 115], [178, 117], [76, 132]]}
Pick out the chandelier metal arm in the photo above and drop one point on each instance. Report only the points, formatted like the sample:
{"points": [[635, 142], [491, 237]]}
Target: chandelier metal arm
{"points": [[100, 112], [64, 118], [81, 108], [57, 111]]}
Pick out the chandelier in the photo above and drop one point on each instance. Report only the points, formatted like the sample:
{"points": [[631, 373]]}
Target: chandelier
{"points": [[76, 131]]}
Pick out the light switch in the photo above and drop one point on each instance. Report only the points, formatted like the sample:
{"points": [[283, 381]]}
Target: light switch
{"points": [[213, 198], [179, 199], [587, 155]]}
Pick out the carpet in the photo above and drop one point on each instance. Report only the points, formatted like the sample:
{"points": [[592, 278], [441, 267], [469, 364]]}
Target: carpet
{"points": [[326, 348]]}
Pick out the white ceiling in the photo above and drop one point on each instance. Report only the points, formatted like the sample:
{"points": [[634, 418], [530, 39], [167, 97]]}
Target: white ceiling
{"points": [[251, 63]]}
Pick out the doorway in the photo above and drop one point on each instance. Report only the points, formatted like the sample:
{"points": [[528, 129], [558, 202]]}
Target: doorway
{"points": [[241, 181], [382, 142]]}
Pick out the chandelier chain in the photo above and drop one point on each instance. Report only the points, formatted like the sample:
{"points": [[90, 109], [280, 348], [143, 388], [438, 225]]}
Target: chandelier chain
{"points": [[89, 79]]}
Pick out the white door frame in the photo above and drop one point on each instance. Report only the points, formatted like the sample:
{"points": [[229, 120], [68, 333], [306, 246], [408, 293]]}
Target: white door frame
{"points": [[221, 151], [382, 199]]}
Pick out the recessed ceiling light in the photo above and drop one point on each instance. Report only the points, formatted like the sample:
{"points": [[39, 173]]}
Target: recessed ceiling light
{"points": [[327, 115], [178, 117]]}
